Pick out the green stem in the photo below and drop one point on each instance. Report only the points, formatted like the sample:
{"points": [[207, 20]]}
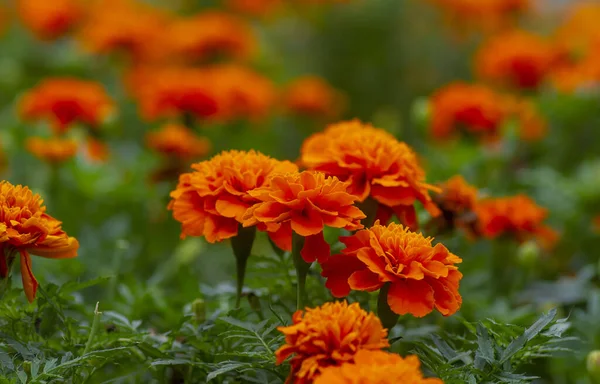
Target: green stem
{"points": [[302, 268], [242, 247], [94, 330], [388, 317], [6, 282]]}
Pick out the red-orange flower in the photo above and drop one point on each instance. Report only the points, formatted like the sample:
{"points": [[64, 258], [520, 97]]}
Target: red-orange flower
{"points": [[474, 108], [374, 163], [49, 20], [178, 141], [516, 58], [53, 150], [304, 203], [254, 7], [312, 96], [128, 26], [209, 34], [376, 367], [211, 200], [421, 276], [517, 216], [489, 15], [66, 101], [26, 228], [328, 336]]}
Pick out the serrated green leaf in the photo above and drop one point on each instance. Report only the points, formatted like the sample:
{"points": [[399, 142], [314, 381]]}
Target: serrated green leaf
{"points": [[529, 334], [230, 366]]}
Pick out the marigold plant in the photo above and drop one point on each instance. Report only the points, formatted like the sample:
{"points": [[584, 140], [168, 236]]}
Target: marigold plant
{"points": [[49, 20], [312, 96], [421, 276], [517, 59], [212, 200], [376, 367], [517, 216], [66, 101], [177, 141], [328, 336], [304, 203], [53, 150], [26, 228], [375, 164]]}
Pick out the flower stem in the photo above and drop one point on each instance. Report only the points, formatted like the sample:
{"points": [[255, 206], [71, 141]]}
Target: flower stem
{"points": [[7, 259], [242, 247], [302, 268], [388, 317], [94, 330]]}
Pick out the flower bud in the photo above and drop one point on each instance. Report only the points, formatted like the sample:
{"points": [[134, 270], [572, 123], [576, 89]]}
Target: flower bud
{"points": [[27, 367], [528, 254], [593, 365], [199, 310]]}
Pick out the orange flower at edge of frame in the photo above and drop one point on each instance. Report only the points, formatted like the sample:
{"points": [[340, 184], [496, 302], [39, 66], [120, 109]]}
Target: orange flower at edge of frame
{"points": [[27, 228], [303, 203], [49, 20], [326, 336], [421, 276], [53, 150], [376, 367]]}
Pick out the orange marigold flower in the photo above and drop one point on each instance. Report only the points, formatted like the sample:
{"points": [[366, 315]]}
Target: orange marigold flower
{"points": [[125, 26], [26, 228], [312, 96], [517, 216], [376, 367], [457, 200], [53, 150], [209, 34], [49, 20], [254, 7], [65, 101], [304, 203], [175, 140], [211, 200], [474, 108], [421, 276], [174, 92], [374, 163], [483, 14], [516, 58], [328, 336]]}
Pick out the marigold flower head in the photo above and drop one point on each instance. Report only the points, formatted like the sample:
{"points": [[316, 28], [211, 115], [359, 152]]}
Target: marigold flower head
{"points": [[421, 276], [374, 163], [209, 34], [517, 216], [53, 150], [304, 203], [312, 96], [49, 20], [178, 141], [254, 7], [26, 228], [128, 26], [457, 200], [376, 367], [474, 108], [328, 336], [517, 59], [211, 200], [488, 15], [66, 101]]}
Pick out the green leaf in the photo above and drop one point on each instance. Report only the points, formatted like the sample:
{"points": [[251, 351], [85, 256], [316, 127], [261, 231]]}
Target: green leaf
{"points": [[230, 366], [485, 350], [529, 334]]}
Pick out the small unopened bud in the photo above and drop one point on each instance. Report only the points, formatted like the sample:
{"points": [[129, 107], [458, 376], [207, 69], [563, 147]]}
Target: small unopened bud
{"points": [[199, 310], [528, 254], [27, 367], [593, 365]]}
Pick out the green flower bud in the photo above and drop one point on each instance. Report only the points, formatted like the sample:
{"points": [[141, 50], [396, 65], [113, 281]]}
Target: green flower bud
{"points": [[199, 310], [528, 254], [27, 367], [593, 365]]}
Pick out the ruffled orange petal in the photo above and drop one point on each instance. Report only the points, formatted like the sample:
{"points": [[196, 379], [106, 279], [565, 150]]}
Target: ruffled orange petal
{"points": [[337, 269], [411, 296], [67, 251], [30, 284], [365, 280], [315, 248]]}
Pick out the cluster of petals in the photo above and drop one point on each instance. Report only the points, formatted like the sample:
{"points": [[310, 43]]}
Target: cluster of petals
{"points": [[375, 164], [376, 367], [211, 200], [517, 59], [177, 141], [66, 101], [49, 20], [421, 276], [210, 34], [52, 150], [303, 203], [328, 336], [457, 201], [517, 216], [26, 228], [312, 96]]}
